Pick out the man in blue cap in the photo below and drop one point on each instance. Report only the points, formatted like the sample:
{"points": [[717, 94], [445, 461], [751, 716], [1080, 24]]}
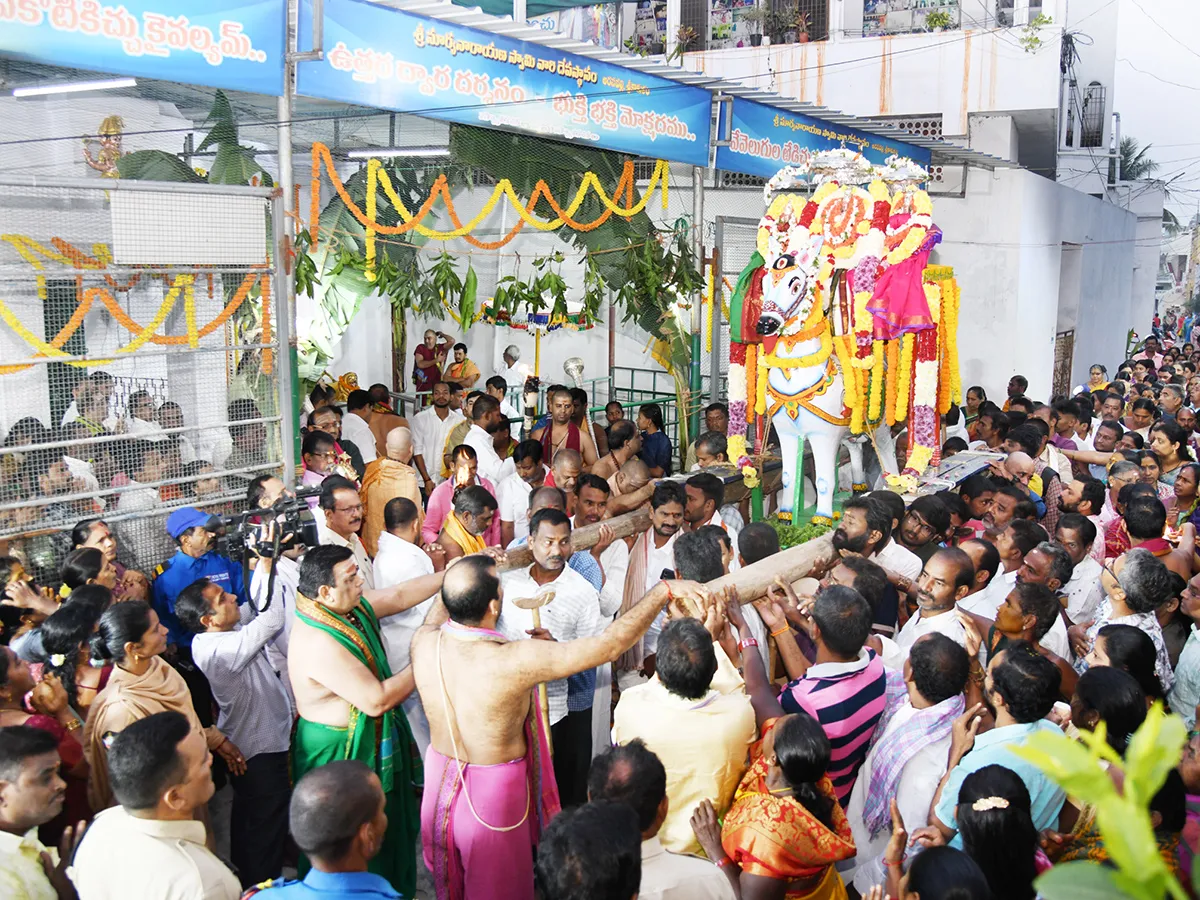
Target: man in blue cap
{"points": [[194, 532]]}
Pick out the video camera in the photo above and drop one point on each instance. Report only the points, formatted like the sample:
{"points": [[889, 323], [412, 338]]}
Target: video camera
{"points": [[242, 535]]}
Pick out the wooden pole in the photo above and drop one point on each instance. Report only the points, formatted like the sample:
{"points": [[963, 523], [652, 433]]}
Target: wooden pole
{"points": [[791, 565], [585, 538]]}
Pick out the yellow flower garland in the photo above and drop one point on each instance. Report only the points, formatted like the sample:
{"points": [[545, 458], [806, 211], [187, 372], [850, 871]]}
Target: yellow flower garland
{"points": [[877, 377], [904, 379], [817, 357]]}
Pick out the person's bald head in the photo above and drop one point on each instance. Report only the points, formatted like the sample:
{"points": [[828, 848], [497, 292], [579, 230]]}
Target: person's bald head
{"points": [[566, 467], [633, 475], [399, 444], [471, 591], [1020, 466], [547, 497]]}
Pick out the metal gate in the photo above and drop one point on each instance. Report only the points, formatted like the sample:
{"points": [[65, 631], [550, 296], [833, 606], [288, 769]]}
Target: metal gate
{"points": [[140, 364]]}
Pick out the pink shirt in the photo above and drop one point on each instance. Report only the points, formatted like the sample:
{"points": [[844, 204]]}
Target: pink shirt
{"points": [[440, 504]]}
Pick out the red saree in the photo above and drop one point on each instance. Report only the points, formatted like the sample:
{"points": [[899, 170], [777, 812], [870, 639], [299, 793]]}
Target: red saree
{"points": [[774, 836]]}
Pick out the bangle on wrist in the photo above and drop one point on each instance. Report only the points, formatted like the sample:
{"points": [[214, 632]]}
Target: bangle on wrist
{"points": [[747, 642], [784, 630], [724, 861], [897, 864]]}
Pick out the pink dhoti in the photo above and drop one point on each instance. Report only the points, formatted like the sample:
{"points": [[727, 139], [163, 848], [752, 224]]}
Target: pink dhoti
{"points": [[482, 848]]}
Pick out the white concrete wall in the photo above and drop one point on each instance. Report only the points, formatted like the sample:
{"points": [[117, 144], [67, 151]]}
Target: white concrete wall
{"points": [[1004, 239], [952, 73]]}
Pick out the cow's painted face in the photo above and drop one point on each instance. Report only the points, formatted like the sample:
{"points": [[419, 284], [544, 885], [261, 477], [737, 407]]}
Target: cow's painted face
{"points": [[787, 294]]}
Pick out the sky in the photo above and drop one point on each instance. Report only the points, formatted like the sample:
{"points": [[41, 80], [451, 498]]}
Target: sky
{"points": [[1160, 104]]}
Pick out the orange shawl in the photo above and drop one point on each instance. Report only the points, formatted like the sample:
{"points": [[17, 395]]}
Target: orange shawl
{"points": [[772, 835]]}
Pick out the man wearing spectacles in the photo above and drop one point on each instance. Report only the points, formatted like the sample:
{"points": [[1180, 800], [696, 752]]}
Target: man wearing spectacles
{"points": [[340, 521]]}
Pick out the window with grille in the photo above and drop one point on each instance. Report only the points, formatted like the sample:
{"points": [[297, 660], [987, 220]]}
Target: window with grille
{"points": [[738, 180]]}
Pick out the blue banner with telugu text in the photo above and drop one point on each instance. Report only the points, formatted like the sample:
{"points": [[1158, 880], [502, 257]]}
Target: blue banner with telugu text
{"points": [[391, 59], [765, 139], [218, 43]]}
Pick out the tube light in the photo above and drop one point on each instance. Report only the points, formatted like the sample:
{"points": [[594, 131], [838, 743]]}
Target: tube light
{"points": [[74, 86], [387, 152]]}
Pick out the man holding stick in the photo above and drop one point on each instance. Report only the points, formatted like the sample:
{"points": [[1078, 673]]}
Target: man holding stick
{"points": [[489, 787]]}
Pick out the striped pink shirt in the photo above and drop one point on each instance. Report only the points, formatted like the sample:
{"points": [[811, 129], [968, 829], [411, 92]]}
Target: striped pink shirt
{"points": [[848, 699]]}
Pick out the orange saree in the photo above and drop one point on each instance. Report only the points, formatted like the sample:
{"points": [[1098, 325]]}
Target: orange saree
{"points": [[774, 836]]}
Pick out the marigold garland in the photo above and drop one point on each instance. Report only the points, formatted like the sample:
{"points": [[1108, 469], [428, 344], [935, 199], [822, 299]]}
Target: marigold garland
{"points": [[377, 179], [893, 364], [815, 358], [877, 379], [751, 381], [904, 379]]}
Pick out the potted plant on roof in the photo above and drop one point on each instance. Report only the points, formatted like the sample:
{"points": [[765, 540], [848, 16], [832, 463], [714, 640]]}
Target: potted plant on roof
{"points": [[759, 19], [801, 24], [937, 20]]}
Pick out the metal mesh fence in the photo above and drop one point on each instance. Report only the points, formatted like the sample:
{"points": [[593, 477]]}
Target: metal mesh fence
{"points": [[140, 360]]}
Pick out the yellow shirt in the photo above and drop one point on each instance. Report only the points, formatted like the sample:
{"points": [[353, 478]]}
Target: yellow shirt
{"points": [[702, 744], [21, 874]]}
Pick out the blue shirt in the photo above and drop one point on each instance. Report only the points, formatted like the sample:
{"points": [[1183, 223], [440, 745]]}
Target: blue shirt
{"points": [[992, 748], [656, 451], [581, 688], [1185, 692], [355, 885], [182, 570]]}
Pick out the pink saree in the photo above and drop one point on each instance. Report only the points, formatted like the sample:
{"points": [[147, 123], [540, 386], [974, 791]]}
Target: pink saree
{"points": [[479, 842]]}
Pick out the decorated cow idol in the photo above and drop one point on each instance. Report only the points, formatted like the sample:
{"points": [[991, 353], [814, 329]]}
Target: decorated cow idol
{"points": [[839, 328]]}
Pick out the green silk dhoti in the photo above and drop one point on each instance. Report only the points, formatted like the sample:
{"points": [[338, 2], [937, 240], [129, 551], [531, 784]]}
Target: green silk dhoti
{"points": [[384, 744]]}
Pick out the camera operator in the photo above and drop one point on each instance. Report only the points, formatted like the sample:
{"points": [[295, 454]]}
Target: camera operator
{"points": [[264, 493]]}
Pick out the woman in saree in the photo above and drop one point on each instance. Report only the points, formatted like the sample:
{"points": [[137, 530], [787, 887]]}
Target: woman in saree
{"points": [[132, 639], [1184, 503], [785, 831], [1168, 440], [976, 397]]}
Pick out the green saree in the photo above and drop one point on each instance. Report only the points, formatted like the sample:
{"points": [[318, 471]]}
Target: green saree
{"points": [[385, 744]]}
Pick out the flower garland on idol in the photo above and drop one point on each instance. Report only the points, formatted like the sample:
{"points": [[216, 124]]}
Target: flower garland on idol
{"points": [[897, 356]]}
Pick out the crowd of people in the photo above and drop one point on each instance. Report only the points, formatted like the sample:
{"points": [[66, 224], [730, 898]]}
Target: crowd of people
{"points": [[470, 684]]}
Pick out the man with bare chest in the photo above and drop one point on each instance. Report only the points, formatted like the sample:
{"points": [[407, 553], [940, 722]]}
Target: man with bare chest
{"points": [[560, 433], [489, 784], [347, 696]]}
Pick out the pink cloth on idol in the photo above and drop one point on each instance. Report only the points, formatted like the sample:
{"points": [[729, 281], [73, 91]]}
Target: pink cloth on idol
{"points": [[440, 504], [898, 302]]}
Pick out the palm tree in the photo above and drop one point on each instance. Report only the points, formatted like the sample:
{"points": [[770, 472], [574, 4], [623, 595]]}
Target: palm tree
{"points": [[1135, 164]]}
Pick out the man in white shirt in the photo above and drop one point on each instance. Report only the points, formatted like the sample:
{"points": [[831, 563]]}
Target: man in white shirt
{"points": [[632, 774], [573, 613], [1086, 497], [160, 771], [1076, 534], [908, 757], [497, 387], [613, 556], [485, 421], [866, 529], [512, 493], [339, 517], [430, 428], [986, 560], [256, 713], [508, 366], [33, 795], [1016, 539], [943, 581], [356, 424], [399, 559], [1049, 565], [705, 496]]}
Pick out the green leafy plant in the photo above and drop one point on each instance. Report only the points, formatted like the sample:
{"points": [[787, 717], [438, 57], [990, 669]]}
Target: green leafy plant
{"points": [[1123, 815], [684, 38], [792, 535], [937, 18], [1030, 39], [631, 45]]}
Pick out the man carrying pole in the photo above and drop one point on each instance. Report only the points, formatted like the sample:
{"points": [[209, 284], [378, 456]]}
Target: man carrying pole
{"points": [[489, 787]]}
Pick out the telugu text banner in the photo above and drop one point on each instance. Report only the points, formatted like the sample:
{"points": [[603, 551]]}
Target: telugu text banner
{"points": [[765, 139], [218, 43], [390, 59]]}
